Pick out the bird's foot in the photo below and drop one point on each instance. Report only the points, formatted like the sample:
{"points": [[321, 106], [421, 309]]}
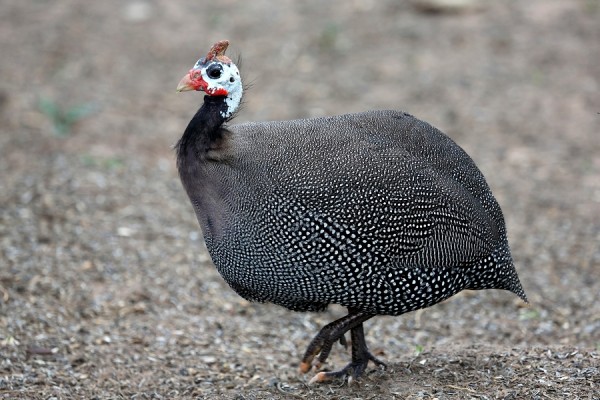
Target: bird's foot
{"points": [[322, 348], [319, 346], [353, 370]]}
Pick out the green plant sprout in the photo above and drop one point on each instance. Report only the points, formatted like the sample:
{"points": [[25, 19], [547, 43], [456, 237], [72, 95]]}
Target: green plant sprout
{"points": [[62, 118]]}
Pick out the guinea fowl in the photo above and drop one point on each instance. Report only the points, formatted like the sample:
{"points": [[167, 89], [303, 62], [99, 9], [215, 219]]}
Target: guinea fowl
{"points": [[377, 211]]}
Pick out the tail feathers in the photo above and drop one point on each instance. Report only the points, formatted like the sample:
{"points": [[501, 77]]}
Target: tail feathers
{"points": [[497, 272], [514, 285]]}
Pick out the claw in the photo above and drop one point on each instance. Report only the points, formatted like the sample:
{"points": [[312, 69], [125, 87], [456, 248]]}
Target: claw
{"points": [[319, 378], [305, 367]]}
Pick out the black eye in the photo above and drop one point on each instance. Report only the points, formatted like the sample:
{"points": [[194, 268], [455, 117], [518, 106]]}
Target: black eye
{"points": [[214, 71], [232, 79]]}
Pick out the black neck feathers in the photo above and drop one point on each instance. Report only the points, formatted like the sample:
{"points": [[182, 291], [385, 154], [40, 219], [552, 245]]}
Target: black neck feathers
{"points": [[206, 129]]}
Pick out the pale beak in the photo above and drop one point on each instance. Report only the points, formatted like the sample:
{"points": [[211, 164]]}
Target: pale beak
{"points": [[185, 84]]}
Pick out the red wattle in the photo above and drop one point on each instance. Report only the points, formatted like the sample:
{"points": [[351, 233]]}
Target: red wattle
{"points": [[216, 91]]}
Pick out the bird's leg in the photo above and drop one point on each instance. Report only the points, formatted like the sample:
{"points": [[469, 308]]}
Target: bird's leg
{"points": [[322, 343], [360, 359]]}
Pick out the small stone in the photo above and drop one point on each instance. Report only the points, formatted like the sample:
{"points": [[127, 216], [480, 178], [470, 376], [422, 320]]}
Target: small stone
{"points": [[208, 359]]}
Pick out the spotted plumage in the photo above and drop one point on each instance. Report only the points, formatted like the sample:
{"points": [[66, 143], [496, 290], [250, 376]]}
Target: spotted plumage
{"points": [[376, 211]]}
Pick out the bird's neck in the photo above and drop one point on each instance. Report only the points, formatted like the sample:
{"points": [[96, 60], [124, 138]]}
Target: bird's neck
{"points": [[198, 152], [205, 130]]}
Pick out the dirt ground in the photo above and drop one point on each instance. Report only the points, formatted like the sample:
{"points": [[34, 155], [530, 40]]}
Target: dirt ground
{"points": [[106, 290]]}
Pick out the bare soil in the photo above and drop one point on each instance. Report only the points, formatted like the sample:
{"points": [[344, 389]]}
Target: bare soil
{"points": [[106, 290]]}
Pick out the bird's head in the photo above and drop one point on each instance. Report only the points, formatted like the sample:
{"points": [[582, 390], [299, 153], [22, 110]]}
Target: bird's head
{"points": [[215, 74]]}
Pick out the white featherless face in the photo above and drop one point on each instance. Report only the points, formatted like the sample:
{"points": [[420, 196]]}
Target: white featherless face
{"points": [[223, 79]]}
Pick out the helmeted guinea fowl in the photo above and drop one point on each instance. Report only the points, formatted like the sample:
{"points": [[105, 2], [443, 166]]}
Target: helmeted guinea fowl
{"points": [[376, 211]]}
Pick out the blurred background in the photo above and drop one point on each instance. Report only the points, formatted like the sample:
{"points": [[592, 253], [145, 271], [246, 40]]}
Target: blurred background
{"points": [[105, 286]]}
